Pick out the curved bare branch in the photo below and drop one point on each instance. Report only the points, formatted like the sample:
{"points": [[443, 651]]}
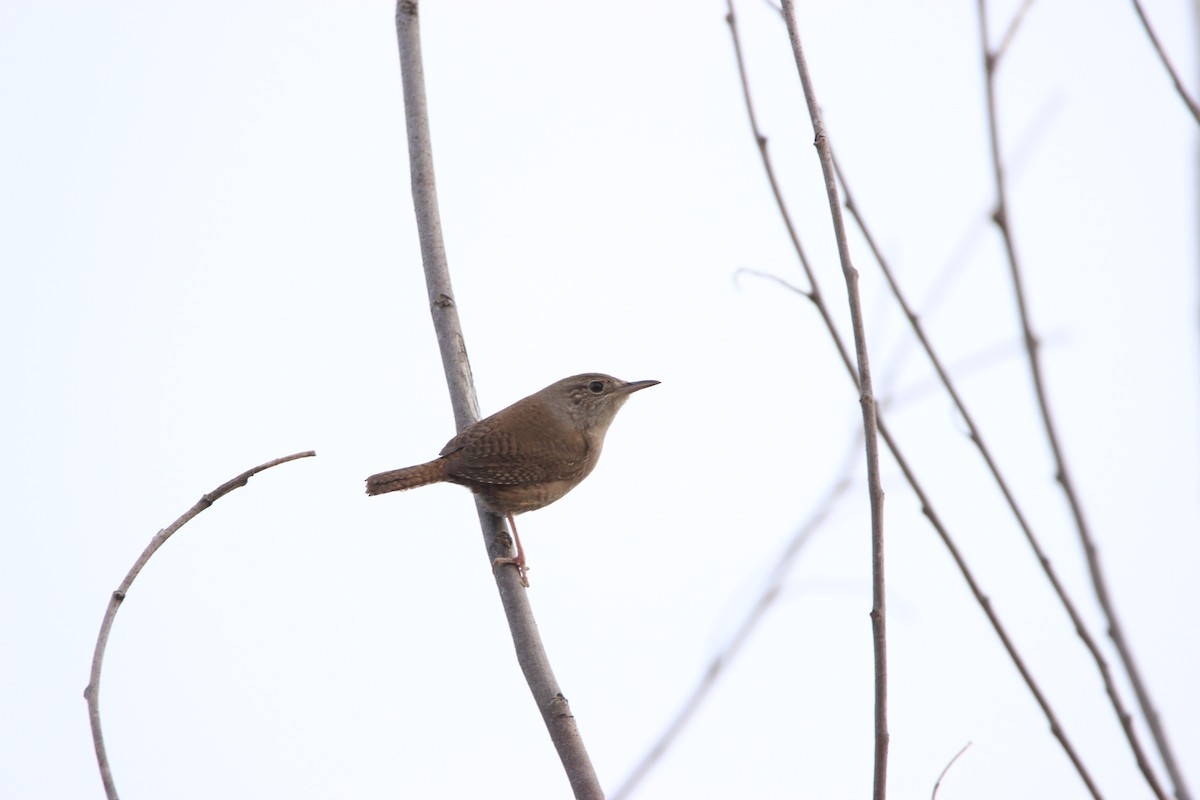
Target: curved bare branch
{"points": [[92, 692]]}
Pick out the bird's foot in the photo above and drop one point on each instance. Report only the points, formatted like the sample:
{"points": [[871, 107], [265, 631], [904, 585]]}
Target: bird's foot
{"points": [[518, 562]]}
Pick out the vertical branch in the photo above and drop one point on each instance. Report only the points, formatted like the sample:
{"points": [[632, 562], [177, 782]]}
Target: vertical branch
{"points": [[446, 325], [1033, 347], [867, 400], [531, 655]]}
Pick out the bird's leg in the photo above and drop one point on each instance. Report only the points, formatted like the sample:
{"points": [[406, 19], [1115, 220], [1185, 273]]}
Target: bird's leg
{"points": [[519, 561]]}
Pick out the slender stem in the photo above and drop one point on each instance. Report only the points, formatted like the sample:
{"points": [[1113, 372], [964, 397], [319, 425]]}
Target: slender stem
{"points": [[814, 295], [764, 154], [938, 784], [866, 399], [1116, 631], [1013, 27], [1187, 101], [531, 655], [92, 692], [985, 603]]}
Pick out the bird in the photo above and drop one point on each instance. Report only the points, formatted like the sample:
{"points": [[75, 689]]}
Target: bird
{"points": [[527, 455]]}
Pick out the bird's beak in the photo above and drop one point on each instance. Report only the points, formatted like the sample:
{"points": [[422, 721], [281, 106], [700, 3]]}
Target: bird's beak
{"points": [[634, 386]]}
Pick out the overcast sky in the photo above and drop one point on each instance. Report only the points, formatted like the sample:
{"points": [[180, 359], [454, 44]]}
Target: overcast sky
{"points": [[208, 259]]}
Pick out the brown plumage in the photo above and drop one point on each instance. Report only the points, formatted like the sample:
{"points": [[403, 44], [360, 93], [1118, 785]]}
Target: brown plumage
{"points": [[528, 455]]}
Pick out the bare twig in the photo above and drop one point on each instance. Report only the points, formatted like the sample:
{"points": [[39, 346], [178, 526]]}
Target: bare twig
{"points": [[92, 692], [767, 276], [937, 784], [1032, 345], [814, 295], [1179, 88], [1013, 27], [768, 167], [866, 399], [724, 656], [531, 655], [1110, 687], [985, 603]]}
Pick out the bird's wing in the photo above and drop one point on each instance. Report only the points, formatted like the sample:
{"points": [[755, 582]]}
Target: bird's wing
{"points": [[487, 454]]}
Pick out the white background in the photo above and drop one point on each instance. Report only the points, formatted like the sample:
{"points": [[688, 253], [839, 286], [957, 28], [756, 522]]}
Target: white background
{"points": [[208, 259]]}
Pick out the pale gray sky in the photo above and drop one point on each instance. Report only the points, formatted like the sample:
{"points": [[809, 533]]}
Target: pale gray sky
{"points": [[209, 260]]}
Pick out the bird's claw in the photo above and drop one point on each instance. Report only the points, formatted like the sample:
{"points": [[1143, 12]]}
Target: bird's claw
{"points": [[518, 562]]}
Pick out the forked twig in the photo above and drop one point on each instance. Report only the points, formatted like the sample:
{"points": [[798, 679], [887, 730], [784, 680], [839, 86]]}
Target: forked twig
{"points": [[1063, 475], [92, 692], [531, 655]]}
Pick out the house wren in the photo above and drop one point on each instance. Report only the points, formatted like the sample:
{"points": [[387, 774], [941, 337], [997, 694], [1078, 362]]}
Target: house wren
{"points": [[528, 455]]}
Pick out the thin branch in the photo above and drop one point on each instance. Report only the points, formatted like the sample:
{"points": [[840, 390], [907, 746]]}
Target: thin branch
{"points": [[767, 276], [531, 655], [1110, 687], [937, 785], [1013, 27], [1116, 632], [1183, 95], [867, 400], [724, 656], [92, 692], [927, 509], [985, 603], [764, 154]]}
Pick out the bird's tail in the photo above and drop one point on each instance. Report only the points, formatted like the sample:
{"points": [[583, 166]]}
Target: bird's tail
{"points": [[408, 478]]}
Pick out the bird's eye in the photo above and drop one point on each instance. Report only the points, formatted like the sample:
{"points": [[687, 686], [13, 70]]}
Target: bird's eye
{"points": [[596, 387]]}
